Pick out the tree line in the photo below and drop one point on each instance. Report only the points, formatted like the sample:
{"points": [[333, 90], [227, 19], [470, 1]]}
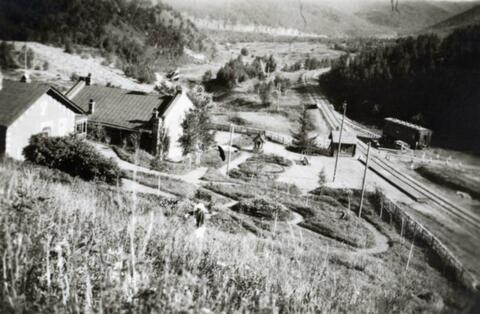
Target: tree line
{"points": [[425, 80], [237, 70]]}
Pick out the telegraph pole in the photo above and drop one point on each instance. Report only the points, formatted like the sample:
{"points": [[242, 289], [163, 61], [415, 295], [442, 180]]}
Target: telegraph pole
{"points": [[232, 129], [339, 141], [364, 181]]}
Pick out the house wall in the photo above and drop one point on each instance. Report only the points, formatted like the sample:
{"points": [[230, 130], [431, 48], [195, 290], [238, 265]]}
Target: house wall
{"points": [[45, 112], [172, 123]]}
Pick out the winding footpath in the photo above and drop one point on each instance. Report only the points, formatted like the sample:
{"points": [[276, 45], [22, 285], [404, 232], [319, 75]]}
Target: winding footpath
{"points": [[381, 241]]}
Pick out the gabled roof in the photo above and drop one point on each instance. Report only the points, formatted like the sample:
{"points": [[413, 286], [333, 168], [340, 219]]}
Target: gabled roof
{"points": [[17, 97], [121, 108], [407, 124], [347, 138]]}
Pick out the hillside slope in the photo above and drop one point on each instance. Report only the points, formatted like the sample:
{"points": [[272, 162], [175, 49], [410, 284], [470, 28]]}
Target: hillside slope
{"points": [[70, 246], [469, 17], [325, 17], [54, 66], [137, 36], [412, 15], [308, 17]]}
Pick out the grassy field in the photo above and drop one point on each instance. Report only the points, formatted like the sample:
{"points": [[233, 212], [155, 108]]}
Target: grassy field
{"points": [[165, 183], [211, 158], [452, 177], [70, 246], [286, 53]]}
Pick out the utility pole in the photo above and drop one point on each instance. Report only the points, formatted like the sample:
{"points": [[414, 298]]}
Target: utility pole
{"points": [[339, 141], [25, 57], [364, 181], [232, 129]]}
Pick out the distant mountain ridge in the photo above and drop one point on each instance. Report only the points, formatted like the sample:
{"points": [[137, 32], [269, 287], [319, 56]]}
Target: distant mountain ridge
{"points": [[469, 17], [331, 18]]}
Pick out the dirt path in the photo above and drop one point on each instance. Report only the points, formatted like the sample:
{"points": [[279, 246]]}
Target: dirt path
{"points": [[297, 218], [381, 241], [132, 186], [190, 177], [235, 163]]}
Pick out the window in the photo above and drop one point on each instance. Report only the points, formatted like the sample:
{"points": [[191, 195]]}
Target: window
{"points": [[46, 130], [81, 127]]}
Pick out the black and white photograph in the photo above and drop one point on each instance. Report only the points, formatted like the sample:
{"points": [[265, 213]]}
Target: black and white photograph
{"points": [[239, 156]]}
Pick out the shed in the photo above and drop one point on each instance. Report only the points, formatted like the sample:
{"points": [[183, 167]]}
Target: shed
{"points": [[348, 147], [258, 142]]}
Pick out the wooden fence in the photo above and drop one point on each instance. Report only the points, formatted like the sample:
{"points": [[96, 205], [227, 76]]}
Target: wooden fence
{"points": [[413, 230], [272, 136]]}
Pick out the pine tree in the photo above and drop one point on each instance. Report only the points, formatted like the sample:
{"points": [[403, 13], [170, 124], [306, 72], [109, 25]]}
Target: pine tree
{"points": [[301, 139]]}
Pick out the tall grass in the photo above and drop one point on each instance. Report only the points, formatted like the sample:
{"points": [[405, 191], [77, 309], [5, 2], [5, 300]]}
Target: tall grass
{"points": [[80, 247]]}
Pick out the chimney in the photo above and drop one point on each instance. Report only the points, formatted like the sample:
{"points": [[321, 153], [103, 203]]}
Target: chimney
{"points": [[88, 79], [178, 89], [155, 113], [91, 107]]}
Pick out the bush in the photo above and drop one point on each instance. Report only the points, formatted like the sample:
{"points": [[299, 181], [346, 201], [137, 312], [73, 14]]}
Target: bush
{"points": [[237, 120], [73, 156], [7, 60], [273, 159], [322, 177], [263, 208], [74, 77], [207, 76], [97, 133]]}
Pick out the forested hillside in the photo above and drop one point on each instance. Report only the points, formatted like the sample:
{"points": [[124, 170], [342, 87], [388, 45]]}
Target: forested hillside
{"points": [[425, 80], [138, 36]]}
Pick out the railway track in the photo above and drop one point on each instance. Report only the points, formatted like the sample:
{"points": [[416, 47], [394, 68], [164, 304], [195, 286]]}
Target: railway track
{"points": [[448, 206], [334, 120]]}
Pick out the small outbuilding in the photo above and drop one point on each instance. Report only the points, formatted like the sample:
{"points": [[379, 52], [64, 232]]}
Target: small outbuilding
{"points": [[417, 137], [348, 147], [258, 142]]}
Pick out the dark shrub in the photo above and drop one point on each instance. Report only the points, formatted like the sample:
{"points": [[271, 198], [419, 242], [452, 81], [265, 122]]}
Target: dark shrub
{"points": [[97, 133], [73, 156], [272, 158], [238, 120], [263, 208]]}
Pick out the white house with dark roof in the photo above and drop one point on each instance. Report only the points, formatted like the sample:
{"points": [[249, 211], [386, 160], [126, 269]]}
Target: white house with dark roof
{"points": [[122, 112], [32, 108]]}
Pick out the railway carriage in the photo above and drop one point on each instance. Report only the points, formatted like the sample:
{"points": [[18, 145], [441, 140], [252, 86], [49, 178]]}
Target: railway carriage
{"points": [[414, 135]]}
